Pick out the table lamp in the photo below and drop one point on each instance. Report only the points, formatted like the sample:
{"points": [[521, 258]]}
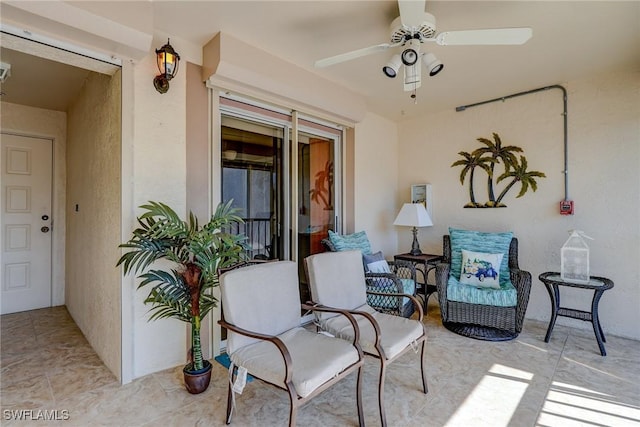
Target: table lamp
{"points": [[414, 215]]}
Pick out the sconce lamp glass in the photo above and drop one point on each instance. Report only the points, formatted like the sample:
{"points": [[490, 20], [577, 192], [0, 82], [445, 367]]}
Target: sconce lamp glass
{"points": [[168, 61]]}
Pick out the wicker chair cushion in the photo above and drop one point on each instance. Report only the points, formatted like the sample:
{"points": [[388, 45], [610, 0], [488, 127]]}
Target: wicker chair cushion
{"points": [[478, 241], [316, 358], [349, 242], [505, 296]]}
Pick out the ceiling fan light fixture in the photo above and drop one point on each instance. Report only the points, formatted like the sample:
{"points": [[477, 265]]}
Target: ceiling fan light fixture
{"points": [[433, 64], [410, 55], [391, 69]]}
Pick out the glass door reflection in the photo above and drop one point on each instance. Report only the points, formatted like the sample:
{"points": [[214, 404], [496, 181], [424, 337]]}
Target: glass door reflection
{"points": [[252, 177], [316, 197]]}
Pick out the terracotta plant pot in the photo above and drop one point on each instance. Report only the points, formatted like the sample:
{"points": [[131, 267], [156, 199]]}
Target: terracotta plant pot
{"points": [[197, 381]]}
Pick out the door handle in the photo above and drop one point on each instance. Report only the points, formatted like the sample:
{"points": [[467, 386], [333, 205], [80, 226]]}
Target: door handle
{"points": [[45, 229]]}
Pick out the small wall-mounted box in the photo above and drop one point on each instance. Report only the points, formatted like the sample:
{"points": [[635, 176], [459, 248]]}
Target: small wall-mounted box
{"points": [[566, 207]]}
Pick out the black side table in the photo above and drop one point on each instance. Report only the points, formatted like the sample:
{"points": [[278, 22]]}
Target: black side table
{"points": [[598, 285], [429, 262]]}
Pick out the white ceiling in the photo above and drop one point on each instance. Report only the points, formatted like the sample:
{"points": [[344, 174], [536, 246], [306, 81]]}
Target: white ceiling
{"points": [[40, 82], [571, 40]]}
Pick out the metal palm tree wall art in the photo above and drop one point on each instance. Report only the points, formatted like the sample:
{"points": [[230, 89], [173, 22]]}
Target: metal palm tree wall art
{"points": [[486, 158]]}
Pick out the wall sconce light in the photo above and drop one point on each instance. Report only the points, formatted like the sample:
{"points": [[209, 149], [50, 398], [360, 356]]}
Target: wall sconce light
{"points": [[168, 61]]}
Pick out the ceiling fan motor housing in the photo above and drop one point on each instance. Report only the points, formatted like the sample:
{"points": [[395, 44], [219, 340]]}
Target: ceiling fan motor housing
{"points": [[401, 33]]}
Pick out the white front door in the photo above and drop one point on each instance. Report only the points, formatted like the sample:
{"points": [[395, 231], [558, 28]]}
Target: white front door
{"points": [[25, 204]]}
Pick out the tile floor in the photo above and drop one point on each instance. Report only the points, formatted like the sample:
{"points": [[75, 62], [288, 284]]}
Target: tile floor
{"points": [[48, 365]]}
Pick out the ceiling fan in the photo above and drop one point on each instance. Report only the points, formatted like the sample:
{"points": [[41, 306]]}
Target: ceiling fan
{"points": [[414, 27]]}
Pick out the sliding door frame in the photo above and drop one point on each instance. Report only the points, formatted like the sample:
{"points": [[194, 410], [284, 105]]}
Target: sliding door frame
{"points": [[296, 123]]}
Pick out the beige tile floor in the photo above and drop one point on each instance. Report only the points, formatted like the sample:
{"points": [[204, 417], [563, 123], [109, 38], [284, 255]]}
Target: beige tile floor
{"points": [[48, 365]]}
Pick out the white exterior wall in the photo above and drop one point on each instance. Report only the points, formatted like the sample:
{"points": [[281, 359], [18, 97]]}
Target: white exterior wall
{"points": [[376, 173], [159, 174], [604, 182]]}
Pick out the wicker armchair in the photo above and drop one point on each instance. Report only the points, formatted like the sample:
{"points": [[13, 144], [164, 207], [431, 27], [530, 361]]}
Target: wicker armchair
{"points": [[379, 285], [486, 322]]}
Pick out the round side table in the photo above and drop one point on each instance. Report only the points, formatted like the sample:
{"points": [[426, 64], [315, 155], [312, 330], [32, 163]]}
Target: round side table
{"points": [[598, 285]]}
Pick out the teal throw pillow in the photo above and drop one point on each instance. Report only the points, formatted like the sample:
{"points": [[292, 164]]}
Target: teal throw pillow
{"points": [[351, 242]]}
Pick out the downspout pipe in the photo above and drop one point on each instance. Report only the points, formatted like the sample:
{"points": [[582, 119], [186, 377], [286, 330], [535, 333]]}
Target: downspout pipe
{"points": [[564, 114]]}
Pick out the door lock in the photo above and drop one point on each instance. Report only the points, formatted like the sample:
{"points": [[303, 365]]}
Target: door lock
{"points": [[45, 217], [45, 229]]}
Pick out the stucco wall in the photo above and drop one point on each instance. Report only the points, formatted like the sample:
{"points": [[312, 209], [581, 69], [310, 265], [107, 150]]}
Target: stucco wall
{"points": [[375, 181], [159, 174], [93, 228], [604, 182], [31, 121]]}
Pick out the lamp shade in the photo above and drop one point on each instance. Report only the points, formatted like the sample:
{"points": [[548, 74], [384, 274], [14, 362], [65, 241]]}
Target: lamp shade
{"points": [[413, 215]]}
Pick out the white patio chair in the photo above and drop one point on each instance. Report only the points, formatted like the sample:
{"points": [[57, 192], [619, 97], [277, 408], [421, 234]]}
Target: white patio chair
{"points": [[261, 305], [336, 279]]}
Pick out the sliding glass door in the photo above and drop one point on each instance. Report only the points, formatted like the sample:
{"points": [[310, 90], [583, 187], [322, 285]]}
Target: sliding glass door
{"points": [[252, 173], [317, 211], [282, 171]]}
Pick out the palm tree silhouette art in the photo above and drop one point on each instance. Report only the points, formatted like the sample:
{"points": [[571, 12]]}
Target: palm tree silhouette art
{"points": [[498, 153], [470, 162], [486, 158]]}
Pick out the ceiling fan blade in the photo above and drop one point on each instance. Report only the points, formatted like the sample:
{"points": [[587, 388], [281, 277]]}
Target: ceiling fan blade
{"points": [[411, 12], [498, 36], [343, 57]]}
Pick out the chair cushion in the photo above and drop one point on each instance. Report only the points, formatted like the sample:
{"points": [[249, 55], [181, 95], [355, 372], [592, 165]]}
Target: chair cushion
{"points": [[272, 288], [336, 279], [478, 241], [375, 263], [505, 296], [480, 269], [396, 332], [316, 359], [349, 242]]}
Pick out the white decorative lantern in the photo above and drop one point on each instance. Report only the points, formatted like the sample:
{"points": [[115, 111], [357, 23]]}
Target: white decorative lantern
{"points": [[574, 264]]}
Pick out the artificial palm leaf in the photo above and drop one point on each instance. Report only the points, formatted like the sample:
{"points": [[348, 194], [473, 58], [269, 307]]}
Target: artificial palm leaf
{"points": [[197, 252]]}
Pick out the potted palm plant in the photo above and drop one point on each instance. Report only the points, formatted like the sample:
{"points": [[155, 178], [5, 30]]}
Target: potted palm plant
{"points": [[183, 291]]}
